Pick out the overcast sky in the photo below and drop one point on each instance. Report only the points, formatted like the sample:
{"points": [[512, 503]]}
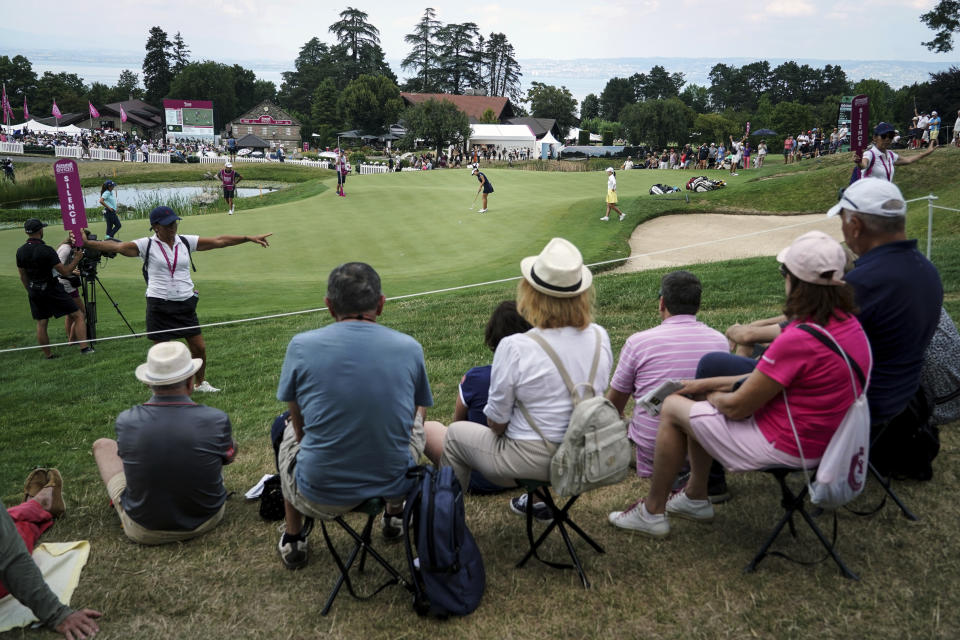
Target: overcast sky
{"points": [[560, 29]]}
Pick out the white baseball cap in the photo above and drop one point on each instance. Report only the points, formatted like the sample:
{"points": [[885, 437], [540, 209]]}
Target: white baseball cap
{"points": [[872, 196], [228, 165]]}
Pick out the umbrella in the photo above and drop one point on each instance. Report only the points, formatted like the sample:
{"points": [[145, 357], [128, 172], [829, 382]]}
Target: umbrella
{"points": [[764, 132]]}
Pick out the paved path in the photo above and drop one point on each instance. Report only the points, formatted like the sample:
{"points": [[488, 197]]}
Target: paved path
{"points": [[689, 238]]}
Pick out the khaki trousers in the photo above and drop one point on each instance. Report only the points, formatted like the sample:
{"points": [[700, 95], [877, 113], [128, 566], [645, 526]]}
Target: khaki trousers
{"points": [[501, 460]]}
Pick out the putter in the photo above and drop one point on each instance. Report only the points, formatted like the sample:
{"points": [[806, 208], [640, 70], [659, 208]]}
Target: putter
{"points": [[472, 205]]}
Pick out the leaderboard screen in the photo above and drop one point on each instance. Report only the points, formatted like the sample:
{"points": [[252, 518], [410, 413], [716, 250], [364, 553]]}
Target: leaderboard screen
{"points": [[189, 118]]}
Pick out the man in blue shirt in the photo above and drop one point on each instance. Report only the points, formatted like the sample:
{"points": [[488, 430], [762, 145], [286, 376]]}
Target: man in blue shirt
{"points": [[898, 291], [356, 392]]}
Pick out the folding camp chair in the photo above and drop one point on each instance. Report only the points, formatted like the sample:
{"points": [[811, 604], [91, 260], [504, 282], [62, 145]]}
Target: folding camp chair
{"points": [[560, 521], [372, 508], [885, 482], [794, 503]]}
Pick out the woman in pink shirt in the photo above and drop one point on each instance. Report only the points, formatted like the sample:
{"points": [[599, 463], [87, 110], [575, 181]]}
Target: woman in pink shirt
{"points": [[743, 422]]}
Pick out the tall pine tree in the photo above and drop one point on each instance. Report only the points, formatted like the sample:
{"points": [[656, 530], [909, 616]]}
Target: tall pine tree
{"points": [[156, 66], [423, 57]]}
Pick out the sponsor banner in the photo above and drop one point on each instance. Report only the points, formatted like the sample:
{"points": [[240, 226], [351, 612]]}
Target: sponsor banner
{"points": [[187, 104], [71, 197], [859, 124], [266, 120]]}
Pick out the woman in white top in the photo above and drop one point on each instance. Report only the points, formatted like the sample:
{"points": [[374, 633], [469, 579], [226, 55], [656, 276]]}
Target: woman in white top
{"points": [[761, 153], [71, 322], [556, 296], [878, 161], [736, 148], [612, 195]]}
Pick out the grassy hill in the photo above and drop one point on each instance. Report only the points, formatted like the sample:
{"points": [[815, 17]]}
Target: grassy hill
{"points": [[418, 231]]}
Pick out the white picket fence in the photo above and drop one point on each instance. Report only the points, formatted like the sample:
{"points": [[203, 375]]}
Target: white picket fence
{"points": [[373, 168], [104, 154], [212, 159], [67, 152], [158, 158], [11, 147]]}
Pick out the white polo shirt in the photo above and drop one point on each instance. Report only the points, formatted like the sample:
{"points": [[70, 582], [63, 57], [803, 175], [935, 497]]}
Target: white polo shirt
{"points": [[168, 270]]}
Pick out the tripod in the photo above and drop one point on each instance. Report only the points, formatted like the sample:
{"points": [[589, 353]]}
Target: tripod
{"points": [[89, 282]]}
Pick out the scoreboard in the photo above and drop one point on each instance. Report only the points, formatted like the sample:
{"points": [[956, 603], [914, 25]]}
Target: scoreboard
{"points": [[188, 118]]}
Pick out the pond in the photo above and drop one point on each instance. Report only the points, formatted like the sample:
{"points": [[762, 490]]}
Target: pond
{"points": [[132, 194]]}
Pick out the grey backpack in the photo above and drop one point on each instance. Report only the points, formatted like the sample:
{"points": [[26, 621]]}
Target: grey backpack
{"points": [[595, 451], [941, 370]]}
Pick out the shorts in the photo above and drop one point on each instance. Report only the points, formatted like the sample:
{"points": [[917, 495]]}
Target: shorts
{"points": [[611, 196], [738, 444], [138, 533], [52, 301], [786, 152], [228, 192], [172, 314], [286, 461]]}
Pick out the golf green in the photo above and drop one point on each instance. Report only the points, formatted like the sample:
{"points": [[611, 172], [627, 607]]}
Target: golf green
{"points": [[416, 228]]}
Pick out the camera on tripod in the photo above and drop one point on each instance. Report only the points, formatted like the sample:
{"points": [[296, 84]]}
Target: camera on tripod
{"points": [[92, 257]]}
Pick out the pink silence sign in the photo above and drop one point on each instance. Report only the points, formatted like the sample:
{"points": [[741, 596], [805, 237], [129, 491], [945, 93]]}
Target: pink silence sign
{"points": [[859, 124], [71, 197]]}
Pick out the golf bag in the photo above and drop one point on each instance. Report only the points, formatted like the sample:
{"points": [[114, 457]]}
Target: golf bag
{"points": [[700, 184], [660, 189]]}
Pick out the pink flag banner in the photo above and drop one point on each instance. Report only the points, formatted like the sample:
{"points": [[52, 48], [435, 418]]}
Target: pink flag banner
{"points": [[748, 129], [5, 104], [93, 110], [71, 197], [56, 111], [26, 114], [123, 114], [859, 124]]}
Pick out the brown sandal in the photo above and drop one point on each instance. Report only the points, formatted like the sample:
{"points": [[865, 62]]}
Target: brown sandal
{"points": [[57, 505], [36, 480]]}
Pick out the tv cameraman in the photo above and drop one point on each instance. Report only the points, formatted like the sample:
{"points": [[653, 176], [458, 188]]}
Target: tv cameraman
{"points": [[37, 263], [171, 296], [70, 284]]}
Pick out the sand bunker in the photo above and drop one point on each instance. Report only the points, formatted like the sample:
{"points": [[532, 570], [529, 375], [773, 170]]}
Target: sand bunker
{"points": [[691, 238]]}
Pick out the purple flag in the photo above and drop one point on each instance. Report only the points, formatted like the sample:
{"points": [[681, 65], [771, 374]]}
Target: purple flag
{"points": [[5, 105], [123, 114], [56, 111], [26, 114], [859, 124], [93, 110], [71, 197]]}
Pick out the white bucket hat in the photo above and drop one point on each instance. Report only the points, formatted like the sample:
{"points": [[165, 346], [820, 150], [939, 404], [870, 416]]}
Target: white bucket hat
{"points": [[558, 271], [167, 363]]}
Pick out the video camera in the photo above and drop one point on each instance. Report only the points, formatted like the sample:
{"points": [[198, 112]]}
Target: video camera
{"points": [[92, 257]]}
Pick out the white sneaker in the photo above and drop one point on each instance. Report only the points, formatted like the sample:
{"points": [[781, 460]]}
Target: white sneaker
{"points": [[734, 174], [637, 519], [230, 213], [605, 218], [482, 211], [205, 387], [622, 216], [683, 507]]}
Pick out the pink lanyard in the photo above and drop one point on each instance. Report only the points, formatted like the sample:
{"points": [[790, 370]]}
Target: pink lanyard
{"points": [[883, 155], [176, 249]]}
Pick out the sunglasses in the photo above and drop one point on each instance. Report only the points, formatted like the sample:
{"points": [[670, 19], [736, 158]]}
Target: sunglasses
{"points": [[784, 272], [887, 136]]}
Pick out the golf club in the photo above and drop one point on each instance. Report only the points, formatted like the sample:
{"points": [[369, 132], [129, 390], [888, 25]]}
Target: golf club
{"points": [[473, 204]]}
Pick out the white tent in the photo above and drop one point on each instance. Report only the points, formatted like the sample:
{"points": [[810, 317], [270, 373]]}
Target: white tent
{"points": [[37, 127], [548, 139], [574, 134], [508, 136]]}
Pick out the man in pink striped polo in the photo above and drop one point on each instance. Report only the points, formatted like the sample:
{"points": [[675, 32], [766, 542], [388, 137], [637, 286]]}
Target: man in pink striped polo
{"points": [[669, 351]]}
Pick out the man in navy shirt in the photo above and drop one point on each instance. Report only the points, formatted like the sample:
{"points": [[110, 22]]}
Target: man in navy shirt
{"points": [[898, 291]]}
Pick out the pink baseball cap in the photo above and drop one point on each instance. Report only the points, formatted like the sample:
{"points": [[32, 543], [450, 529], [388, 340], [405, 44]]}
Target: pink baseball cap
{"points": [[816, 258]]}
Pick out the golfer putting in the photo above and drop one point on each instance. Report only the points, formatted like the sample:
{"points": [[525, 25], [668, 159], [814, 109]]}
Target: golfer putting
{"points": [[485, 187]]}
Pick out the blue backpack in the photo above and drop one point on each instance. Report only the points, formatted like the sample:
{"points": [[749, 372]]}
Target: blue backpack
{"points": [[448, 574]]}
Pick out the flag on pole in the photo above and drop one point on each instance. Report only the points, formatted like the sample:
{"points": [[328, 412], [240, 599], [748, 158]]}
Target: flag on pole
{"points": [[93, 110], [26, 114], [123, 114], [56, 111], [5, 104]]}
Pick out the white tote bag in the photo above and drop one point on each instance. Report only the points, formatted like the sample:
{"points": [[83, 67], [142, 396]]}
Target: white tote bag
{"points": [[843, 467]]}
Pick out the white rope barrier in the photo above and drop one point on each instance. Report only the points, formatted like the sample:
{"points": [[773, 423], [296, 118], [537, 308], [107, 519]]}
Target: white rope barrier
{"points": [[418, 294]]}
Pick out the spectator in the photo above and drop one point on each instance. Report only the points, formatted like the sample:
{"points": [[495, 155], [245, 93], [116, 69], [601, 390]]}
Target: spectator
{"points": [[669, 351], [878, 161], [20, 528], [747, 427], [356, 392], [163, 473], [527, 394]]}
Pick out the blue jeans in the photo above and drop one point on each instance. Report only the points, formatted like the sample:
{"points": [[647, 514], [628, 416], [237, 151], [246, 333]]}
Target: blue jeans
{"points": [[113, 223]]}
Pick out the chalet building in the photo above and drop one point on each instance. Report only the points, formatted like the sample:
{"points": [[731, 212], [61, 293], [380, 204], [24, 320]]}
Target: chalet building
{"points": [[145, 120], [269, 122], [473, 106]]}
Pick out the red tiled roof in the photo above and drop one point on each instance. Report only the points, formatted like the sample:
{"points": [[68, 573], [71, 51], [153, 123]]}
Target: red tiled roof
{"points": [[473, 106]]}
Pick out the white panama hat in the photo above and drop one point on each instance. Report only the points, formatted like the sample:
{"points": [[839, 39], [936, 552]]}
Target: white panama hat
{"points": [[167, 363], [558, 271]]}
